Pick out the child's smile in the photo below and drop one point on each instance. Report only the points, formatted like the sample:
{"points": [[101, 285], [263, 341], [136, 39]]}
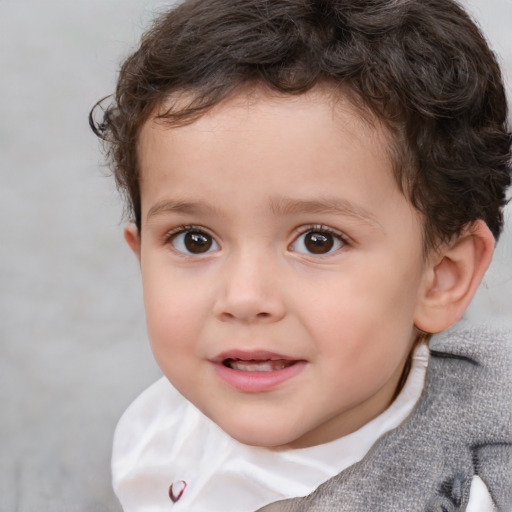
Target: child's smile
{"points": [[255, 371], [282, 267]]}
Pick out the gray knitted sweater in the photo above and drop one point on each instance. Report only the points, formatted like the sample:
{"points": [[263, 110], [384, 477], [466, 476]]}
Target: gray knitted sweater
{"points": [[461, 427]]}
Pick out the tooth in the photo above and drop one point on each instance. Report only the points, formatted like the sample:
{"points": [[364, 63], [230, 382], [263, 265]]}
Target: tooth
{"points": [[252, 366], [261, 366]]}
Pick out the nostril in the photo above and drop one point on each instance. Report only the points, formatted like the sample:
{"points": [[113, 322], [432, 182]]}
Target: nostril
{"points": [[227, 316]]}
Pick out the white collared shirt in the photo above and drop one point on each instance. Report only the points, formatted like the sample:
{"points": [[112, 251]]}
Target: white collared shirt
{"points": [[163, 440]]}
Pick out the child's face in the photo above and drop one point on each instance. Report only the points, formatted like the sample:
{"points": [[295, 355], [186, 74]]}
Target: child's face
{"points": [[281, 265]]}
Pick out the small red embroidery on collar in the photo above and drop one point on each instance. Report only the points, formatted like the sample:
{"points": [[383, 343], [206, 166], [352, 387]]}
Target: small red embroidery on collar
{"points": [[176, 490]]}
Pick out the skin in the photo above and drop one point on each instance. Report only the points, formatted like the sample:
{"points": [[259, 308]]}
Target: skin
{"points": [[257, 177]]}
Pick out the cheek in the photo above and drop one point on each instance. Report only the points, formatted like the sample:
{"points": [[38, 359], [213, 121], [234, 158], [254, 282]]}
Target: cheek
{"points": [[174, 329], [173, 310], [371, 308]]}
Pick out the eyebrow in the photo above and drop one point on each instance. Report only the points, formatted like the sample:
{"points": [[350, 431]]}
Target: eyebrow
{"points": [[186, 207], [328, 205], [278, 206]]}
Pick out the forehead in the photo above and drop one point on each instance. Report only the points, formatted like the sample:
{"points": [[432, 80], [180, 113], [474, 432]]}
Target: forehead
{"points": [[316, 137], [320, 110]]}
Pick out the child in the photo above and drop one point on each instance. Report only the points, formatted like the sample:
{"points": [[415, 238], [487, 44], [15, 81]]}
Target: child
{"points": [[316, 186]]}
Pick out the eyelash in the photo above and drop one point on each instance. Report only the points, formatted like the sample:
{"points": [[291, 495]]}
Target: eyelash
{"points": [[320, 228], [171, 235]]}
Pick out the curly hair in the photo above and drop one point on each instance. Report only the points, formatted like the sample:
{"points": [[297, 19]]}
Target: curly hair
{"points": [[422, 67]]}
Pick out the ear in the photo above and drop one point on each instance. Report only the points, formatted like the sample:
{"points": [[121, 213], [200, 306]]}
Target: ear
{"points": [[452, 277], [132, 237]]}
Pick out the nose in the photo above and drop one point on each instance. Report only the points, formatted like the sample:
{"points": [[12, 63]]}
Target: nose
{"points": [[250, 292]]}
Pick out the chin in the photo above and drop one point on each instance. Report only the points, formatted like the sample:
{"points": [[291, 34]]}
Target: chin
{"points": [[261, 428], [260, 437], [261, 440]]}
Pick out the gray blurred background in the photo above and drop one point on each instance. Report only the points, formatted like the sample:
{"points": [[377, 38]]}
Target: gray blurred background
{"points": [[73, 349]]}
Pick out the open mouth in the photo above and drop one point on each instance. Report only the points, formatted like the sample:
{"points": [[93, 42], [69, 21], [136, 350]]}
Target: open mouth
{"points": [[255, 365], [256, 371]]}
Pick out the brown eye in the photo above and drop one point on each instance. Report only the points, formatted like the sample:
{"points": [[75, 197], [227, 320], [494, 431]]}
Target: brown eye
{"points": [[318, 242], [197, 242], [194, 242]]}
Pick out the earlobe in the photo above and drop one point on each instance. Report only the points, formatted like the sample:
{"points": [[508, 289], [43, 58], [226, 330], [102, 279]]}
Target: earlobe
{"points": [[452, 278], [132, 237]]}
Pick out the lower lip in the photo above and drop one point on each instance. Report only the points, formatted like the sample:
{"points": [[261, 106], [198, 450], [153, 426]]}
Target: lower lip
{"points": [[257, 382]]}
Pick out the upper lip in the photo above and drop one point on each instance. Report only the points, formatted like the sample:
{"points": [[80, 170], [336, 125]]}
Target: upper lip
{"points": [[251, 355]]}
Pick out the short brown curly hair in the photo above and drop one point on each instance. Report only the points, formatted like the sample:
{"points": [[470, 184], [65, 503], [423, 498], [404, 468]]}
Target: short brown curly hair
{"points": [[421, 66]]}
